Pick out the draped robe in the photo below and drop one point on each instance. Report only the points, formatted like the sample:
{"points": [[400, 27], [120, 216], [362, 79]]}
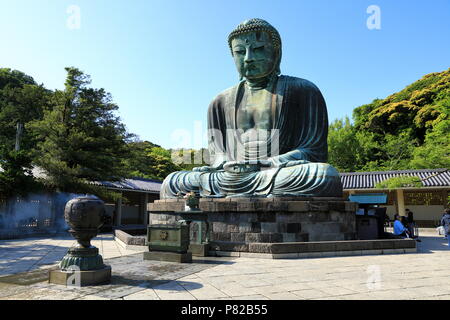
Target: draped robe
{"points": [[299, 168]]}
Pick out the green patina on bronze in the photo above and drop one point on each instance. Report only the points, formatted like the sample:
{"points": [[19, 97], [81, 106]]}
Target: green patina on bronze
{"points": [[171, 238], [84, 215], [279, 127], [83, 258]]}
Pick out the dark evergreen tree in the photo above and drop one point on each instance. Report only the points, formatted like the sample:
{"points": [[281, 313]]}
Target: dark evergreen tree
{"points": [[80, 138]]}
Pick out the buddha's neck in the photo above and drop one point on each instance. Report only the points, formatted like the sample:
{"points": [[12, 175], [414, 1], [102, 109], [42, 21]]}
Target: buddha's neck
{"points": [[260, 83]]}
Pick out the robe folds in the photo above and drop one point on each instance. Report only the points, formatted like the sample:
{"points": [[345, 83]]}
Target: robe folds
{"points": [[296, 148]]}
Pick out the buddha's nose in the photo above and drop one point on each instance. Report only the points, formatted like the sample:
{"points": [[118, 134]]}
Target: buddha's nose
{"points": [[249, 56]]}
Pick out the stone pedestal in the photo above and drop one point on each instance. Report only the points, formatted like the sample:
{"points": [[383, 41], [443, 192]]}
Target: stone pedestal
{"points": [[237, 222], [199, 250], [81, 278]]}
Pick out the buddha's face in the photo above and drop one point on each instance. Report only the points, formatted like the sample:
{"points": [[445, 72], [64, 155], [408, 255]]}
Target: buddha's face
{"points": [[254, 54]]}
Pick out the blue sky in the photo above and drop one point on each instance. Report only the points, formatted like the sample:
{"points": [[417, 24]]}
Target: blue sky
{"points": [[164, 61]]}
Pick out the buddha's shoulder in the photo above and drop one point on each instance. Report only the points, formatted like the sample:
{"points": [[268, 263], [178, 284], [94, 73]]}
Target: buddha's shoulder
{"points": [[299, 83], [225, 95], [294, 84]]}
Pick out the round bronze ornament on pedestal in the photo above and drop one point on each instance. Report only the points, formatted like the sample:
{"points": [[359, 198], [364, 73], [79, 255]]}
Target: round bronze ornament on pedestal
{"points": [[84, 215]]}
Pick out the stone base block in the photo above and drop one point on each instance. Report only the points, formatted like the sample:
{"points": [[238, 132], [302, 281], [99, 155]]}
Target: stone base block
{"points": [[138, 238], [316, 249], [268, 220], [199, 250], [80, 278], [168, 256]]}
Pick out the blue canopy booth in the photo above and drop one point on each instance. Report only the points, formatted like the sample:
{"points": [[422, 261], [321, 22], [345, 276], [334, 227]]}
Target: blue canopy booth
{"points": [[369, 198], [370, 218]]}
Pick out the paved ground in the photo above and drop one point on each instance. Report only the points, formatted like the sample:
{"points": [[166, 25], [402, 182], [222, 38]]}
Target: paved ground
{"points": [[22, 255], [421, 275]]}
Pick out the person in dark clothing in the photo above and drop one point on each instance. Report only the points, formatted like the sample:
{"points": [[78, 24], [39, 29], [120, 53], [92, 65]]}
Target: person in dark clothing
{"points": [[386, 219], [404, 221], [410, 224], [409, 216], [445, 222]]}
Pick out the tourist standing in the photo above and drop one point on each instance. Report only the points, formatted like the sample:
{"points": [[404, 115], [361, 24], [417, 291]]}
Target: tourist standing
{"points": [[410, 222], [445, 222]]}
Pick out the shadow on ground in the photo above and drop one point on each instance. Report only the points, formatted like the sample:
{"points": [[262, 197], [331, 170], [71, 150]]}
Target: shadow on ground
{"points": [[29, 257], [120, 280], [27, 278], [431, 244], [133, 270]]}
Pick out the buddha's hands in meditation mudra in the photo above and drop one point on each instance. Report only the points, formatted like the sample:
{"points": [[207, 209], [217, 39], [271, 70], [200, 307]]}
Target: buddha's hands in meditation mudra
{"points": [[208, 168], [249, 165], [237, 166], [252, 141], [246, 166]]}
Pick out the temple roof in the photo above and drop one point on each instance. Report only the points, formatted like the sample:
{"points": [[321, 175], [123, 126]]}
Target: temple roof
{"points": [[135, 184], [367, 180]]}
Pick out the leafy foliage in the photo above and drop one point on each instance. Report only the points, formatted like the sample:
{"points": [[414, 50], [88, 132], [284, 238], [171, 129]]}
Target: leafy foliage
{"points": [[148, 160], [343, 146], [400, 182], [80, 138], [407, 130], [21, 100], [73, 135], [188, 159], [16, 178], [435, 152]]}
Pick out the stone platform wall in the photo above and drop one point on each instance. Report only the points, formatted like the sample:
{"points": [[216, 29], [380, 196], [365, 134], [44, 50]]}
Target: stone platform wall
{"points": [[236, 221]]}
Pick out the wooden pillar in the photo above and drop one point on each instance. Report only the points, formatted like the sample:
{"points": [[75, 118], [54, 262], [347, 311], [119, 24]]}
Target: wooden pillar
{"points": [[400, 202], [118, 212], [144, 208], [444, 198]]}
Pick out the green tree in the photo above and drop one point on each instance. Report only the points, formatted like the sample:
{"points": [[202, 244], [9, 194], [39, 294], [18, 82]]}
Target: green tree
{"points": [[16, 178], [137, 162], [21, 101], [408, 129], [397, 151], [80, 138], [162, 164], [350, 149], [435, 152], [150, 161], [400, 182], [343, 146], [369, 157]]}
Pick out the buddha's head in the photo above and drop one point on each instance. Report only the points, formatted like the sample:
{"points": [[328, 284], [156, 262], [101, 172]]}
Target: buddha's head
{"points": [[256, 49]]}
